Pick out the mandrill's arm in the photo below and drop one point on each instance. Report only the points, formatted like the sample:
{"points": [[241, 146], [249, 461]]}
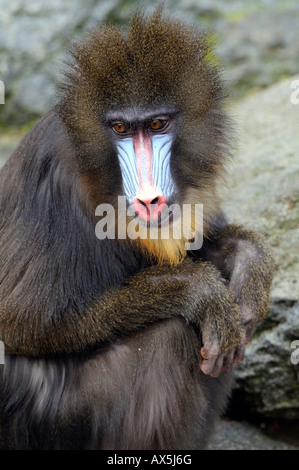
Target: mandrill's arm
{"points": [[194, 290]]}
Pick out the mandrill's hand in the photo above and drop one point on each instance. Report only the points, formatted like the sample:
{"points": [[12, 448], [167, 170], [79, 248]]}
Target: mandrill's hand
{"points": [[223, 335], [251, 308], [213, 360]]}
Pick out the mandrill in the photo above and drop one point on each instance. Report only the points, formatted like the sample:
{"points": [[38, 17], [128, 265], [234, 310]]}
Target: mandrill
{"points": [[124, 342]]}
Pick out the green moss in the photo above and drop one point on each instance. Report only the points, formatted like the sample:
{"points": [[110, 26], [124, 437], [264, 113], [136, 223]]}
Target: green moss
{"points": [[11, 129], [236, 16]]}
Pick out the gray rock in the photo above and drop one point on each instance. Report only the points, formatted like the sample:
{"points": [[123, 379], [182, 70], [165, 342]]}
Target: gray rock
{"points": [[264, 195], [33, 38], [257, 44], [234, 435], [259, 49]]}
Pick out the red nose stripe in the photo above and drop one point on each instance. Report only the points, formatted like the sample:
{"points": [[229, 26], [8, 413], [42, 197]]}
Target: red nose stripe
{"points": [[144, 159], [148, 202]]}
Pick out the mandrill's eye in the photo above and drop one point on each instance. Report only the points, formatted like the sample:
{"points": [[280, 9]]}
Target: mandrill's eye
{"points": [[120, 128], [158, 124]]}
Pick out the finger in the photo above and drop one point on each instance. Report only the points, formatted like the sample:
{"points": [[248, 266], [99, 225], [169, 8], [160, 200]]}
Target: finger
{"points": [[204, 353], [207, 365], [239, 354], [249, 330], [218, 366], [228, 361]]}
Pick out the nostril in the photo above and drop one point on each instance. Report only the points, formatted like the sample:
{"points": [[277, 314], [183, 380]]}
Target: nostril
{"points": [[141, 202], [155, 201], [149, 207]]}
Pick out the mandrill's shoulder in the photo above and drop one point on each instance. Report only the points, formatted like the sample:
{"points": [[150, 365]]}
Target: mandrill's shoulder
{"points": [[48, 132]]}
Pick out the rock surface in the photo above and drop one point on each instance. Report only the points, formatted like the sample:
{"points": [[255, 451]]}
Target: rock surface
{"points": [[257, 42], [33, 38], [234, 435], [264, 195]]}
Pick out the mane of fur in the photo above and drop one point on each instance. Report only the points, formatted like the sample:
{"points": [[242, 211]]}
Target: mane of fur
{"points": [[159, 61]]}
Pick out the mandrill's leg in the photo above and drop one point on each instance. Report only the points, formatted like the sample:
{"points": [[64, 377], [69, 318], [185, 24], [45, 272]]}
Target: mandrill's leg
{"points": [[145, 392], [161, 399]]}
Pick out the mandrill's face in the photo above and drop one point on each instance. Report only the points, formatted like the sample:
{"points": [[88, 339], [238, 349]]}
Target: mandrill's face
{"points": [[156, 218], [143, 144]]}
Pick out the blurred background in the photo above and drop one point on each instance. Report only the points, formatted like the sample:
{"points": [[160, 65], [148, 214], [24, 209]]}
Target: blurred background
{"points": [[257, 45]]}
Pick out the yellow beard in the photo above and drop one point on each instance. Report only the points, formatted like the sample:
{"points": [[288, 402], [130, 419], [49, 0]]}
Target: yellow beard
{"points": [[173, 250]]}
